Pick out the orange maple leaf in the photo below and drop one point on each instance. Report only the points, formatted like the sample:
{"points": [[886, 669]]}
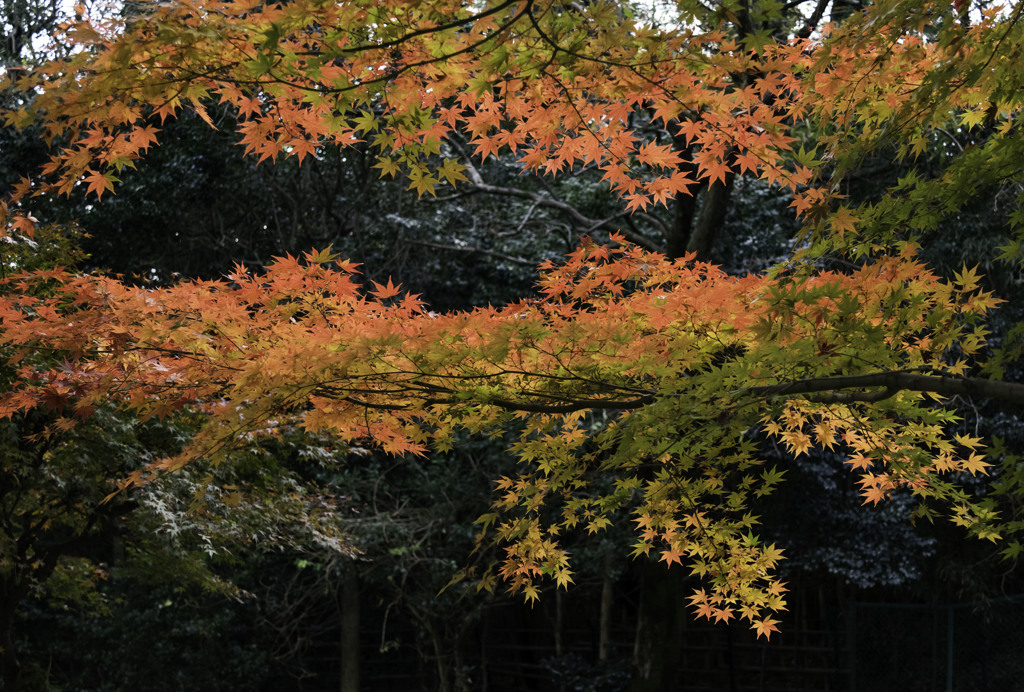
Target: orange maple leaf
{"points": [[671, 555], [765, 627], [385, 292], [98, 183]]}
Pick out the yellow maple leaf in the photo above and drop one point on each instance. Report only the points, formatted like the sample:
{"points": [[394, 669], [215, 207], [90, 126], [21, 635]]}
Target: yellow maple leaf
{"points": [[843, 220], [976, 464]]}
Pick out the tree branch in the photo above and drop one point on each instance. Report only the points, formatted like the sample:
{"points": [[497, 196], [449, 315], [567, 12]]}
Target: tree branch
{"points": [[828, 389], [568, 405], [579, 220], [813, 20], [474, 250]]}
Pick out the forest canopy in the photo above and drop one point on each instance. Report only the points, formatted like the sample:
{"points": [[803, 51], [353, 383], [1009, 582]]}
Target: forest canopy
{"points": [[850, 344]]}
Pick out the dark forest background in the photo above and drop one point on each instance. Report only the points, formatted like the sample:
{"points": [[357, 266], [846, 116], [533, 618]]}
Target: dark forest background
{"points": [[305, 565]]}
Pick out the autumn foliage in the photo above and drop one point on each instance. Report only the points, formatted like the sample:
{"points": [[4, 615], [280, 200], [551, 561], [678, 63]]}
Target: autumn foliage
{"points": [[678, 352], [556, 85], [656, 374]]}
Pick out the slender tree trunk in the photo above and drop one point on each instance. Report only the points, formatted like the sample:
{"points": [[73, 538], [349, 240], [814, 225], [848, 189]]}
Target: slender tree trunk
{"points": [[349, 602], [462, 679], [605, 622], [439, 655], [10, 667], [730, 656], [660, 619], [558, 622]]}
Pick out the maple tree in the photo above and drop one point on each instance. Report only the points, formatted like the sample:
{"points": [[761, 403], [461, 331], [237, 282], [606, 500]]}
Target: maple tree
{"points": [[689, 361], [59, 539], [692, 357]]}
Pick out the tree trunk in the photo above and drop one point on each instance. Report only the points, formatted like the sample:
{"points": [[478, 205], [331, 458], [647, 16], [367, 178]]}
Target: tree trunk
{"points": [[439, 655], [558, 622], [10, 667], [695, 227], [605, 619], [660, 618], [463, 683], [349, 603], [713, 209], [682, 225]]}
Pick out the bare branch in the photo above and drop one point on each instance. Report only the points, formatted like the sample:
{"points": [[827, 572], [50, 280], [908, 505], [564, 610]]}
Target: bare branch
{"points": [[475, 250], [582, 223]]}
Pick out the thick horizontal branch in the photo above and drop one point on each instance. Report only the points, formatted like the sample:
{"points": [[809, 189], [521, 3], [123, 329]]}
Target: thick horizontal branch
{"points": [[565, 406], [571, 405], [831, 389]]}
